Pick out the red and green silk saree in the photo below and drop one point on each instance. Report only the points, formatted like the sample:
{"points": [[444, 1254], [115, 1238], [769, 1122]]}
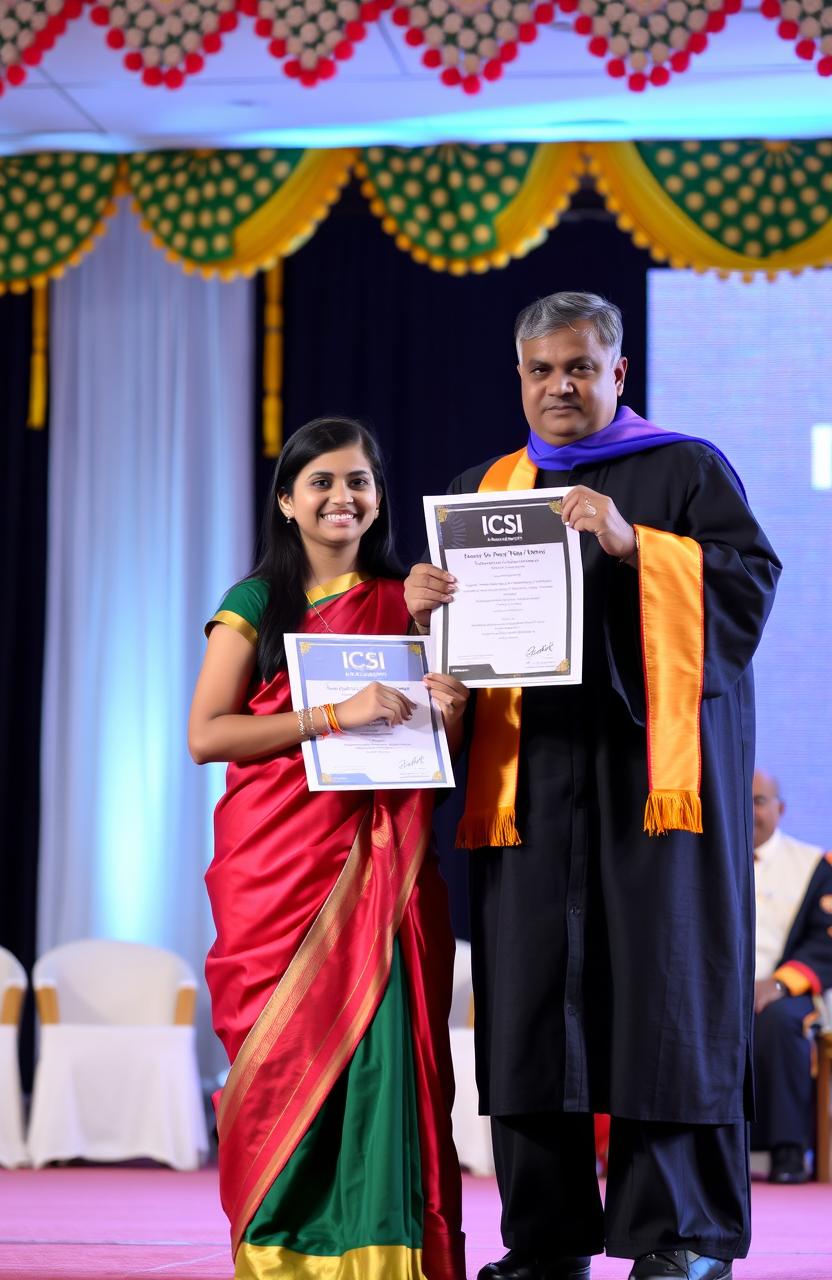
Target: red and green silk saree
{"points": [[330, 982]]}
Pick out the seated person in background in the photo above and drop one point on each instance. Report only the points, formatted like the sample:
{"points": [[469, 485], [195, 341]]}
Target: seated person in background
{"points": [[794, 962]]}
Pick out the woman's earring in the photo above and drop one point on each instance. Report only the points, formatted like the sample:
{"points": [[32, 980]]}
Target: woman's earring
{"points": [[288, 519]]}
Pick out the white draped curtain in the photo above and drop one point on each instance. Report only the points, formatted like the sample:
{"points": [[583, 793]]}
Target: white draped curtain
{"points": [[150, 519]]}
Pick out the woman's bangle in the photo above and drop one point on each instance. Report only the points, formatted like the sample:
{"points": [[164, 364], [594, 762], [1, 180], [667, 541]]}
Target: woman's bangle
{"points": [[306, 723], [332, 720]]}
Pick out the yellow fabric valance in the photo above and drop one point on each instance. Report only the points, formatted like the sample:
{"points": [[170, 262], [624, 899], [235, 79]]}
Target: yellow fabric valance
{"points": [[728, 205], [462, 208], [232, 213]]}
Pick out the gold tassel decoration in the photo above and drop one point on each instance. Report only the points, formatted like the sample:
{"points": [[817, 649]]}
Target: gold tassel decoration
{"points": [[488, 830], [273, 361], [38, 367], [672, 811]]}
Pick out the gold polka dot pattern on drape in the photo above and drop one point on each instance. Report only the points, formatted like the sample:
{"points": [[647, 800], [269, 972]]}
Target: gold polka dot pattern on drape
{"points": [[756, 198], [448, 205], [51, 207], [194, 201]]}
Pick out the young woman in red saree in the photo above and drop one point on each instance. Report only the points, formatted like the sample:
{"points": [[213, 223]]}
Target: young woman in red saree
{"points": [[330, 977]]}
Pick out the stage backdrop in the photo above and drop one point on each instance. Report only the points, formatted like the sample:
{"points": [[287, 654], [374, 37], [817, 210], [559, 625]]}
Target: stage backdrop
{"points": [[150, 497], [747, 366]]}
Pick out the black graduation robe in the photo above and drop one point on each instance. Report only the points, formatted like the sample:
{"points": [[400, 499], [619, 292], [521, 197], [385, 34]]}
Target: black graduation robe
{"points": [[613, 971], [809, 943]]}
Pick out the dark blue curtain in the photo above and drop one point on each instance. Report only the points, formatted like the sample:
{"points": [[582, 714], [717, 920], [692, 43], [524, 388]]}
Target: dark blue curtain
{"points": [[23, 459]]}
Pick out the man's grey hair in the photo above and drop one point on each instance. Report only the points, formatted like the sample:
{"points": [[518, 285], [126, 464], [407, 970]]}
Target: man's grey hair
{"points": [[563, 310]]}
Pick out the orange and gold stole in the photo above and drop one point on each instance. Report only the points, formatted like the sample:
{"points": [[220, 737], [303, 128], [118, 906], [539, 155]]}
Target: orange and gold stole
{"points": [[672, 632]]}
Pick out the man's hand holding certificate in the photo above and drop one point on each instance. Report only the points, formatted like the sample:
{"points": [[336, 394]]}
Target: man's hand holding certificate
{"points": [[517, 612]]}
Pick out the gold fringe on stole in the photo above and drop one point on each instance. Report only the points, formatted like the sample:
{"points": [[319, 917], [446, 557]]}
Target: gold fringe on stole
{"points": [[38, 367], [672, 811], [483, 830], [273, 361]]}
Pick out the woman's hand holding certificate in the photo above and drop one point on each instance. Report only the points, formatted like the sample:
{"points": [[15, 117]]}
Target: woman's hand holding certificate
{"points": [[390, 730], [374, 702]]}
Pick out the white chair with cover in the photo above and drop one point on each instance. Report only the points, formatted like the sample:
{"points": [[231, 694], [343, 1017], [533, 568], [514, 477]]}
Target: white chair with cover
{"points": [[116, 1076], [472, 1132], [13, 984]]}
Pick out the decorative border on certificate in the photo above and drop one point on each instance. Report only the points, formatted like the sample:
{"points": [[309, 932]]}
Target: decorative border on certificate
{"points": [[331, 668], [520, 597]]}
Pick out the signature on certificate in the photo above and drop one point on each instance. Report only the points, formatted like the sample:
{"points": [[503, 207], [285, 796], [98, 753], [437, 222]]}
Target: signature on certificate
{"points": [[414, 762], [536, 650]]}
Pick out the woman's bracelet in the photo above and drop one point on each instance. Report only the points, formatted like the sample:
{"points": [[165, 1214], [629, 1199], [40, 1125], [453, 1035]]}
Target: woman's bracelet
{"points": [[331, 718], [306, 723]]}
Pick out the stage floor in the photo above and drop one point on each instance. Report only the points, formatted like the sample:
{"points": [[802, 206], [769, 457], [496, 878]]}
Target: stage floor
{"points": [[99, 1223]]}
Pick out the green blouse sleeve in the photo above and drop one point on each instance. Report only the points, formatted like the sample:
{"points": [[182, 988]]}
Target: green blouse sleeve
{"points": [[242, 608]]}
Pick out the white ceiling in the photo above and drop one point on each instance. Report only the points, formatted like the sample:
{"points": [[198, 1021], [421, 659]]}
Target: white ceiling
{"points": [[747, 83]]}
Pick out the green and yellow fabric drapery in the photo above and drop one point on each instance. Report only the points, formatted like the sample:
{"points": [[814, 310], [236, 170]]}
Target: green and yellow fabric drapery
{"points": [[727, 205], [462, 208], [723, 205]]}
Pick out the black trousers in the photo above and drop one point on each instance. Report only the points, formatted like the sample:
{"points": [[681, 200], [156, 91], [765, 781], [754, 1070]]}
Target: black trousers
{"points": [[668, 1186], [782, 1075]]}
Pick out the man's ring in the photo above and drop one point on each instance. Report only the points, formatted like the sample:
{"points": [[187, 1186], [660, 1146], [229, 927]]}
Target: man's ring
{"points": [[590, 510]]}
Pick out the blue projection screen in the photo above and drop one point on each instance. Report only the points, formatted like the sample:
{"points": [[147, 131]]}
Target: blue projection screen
{"points": [[749, 366]]}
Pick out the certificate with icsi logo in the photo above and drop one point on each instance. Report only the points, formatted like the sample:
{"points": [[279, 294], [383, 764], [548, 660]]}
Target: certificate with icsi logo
{"points": [[332, 668], [517, 616]]}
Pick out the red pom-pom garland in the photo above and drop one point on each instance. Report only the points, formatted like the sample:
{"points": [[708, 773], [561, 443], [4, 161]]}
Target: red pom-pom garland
{"points": [[315, 35], [165, 44], [646, 41], [470, 44], [808, 24], [28, 29]]}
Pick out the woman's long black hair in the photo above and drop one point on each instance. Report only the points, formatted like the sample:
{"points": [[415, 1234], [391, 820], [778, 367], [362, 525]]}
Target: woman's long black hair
{"points": [[283, 563]]}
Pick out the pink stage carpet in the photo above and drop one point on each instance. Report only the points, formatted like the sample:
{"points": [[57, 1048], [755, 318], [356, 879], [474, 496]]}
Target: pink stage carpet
{"points": [[98, 1223]]}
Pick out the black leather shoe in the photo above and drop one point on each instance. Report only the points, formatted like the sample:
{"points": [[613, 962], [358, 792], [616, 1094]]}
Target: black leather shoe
{"points": [[521, 1266], [788, 1165], [680, 1264]]}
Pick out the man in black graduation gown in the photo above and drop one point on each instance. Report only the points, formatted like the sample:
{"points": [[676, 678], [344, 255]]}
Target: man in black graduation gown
{"points": [[613, 971]]}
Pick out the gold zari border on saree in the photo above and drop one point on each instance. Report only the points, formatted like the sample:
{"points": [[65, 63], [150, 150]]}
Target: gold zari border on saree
{"points": [[372, 1262], [235, 622], [335, 587]]}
